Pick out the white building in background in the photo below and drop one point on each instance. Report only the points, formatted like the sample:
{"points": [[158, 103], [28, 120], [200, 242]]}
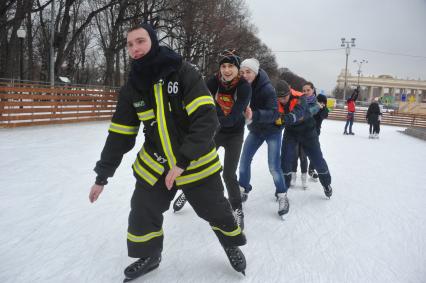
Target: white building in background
{"points": [[385, 85]]}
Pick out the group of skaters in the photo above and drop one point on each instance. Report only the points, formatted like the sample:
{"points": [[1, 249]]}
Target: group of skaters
{"points": [[269, 111], [373, 116], [185, 120]]}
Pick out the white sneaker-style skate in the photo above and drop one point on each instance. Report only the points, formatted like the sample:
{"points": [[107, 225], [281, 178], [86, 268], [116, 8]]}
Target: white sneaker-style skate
{"points": [[304, 179], [293, 179]]}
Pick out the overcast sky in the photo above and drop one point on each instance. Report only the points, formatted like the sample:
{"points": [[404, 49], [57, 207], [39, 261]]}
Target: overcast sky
{"points": [[396, 26]]}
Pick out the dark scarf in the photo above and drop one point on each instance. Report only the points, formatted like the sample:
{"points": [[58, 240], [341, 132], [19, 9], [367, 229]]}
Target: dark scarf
{"points": [[228, 85], [158, 62]]}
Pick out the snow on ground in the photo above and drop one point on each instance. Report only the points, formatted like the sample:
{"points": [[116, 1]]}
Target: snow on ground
{"points": [[372, 230]]}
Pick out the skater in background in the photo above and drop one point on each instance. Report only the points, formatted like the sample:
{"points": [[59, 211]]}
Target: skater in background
{"points": [[373, 118], [232, 95], [170, 98], [351, 112], [300, 128], [260, 117]]}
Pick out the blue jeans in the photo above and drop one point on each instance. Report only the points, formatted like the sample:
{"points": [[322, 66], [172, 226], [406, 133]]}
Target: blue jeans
{"points": [[349, 121], [312, 149], [251, 145]]}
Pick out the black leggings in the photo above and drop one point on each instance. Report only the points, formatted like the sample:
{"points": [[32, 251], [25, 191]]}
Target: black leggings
{"points": [[375, 127]]}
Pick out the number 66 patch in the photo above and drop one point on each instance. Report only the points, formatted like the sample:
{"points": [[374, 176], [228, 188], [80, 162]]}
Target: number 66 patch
{"points": [[173, 88]]}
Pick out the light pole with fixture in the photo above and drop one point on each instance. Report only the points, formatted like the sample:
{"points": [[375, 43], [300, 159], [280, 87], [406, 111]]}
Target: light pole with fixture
{"points": [[21, 35], [359, 63], [348, 45]]}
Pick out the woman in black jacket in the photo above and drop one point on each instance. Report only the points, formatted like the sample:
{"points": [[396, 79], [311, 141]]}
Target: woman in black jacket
{"points": [[373, 119]]}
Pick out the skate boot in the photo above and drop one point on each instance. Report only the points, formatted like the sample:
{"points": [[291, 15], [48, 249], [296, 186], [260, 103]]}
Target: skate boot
{"points": [[371, 136], [376, 136], [328, 191], [179, 202], [236, 258], [239, 217], [293, 179], [244, 194], [313, 176], [304, 179], [141, 266], [351, 133], [283, 204]]}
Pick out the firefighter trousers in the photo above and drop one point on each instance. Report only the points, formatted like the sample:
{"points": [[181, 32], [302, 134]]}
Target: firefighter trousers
{"points": [[145, 231]]}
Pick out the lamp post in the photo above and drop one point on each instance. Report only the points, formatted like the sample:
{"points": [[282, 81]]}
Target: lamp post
{"points": [[21, 35], [359, 63], [52, 50], [348, 45]]}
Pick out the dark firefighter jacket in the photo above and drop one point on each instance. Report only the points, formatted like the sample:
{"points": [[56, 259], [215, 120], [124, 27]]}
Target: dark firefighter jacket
{"points": [[179, 122]]}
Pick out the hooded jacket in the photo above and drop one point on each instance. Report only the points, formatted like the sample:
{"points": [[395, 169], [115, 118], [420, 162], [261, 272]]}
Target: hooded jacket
{"points": [[264, 105], [179, 122], [373, 113]]}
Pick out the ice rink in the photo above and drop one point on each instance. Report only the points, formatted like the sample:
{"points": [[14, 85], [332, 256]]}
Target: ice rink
{"points": [[373, 229]]}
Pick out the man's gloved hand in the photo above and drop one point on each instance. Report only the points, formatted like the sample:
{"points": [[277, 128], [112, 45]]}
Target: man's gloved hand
{"points": [[280, 121]]}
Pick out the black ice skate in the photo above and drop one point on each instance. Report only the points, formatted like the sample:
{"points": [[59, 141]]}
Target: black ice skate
{"points": [[141, 266], [179, 202], [283, 204], [239, 217], [236, 258], [328, 191]]}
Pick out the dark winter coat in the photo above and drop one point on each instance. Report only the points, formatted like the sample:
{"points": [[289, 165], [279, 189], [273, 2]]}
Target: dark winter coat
{"points": [[179, 122], [234, 122], [264, 105], [373, 113], [322, 113], [297, 118]]}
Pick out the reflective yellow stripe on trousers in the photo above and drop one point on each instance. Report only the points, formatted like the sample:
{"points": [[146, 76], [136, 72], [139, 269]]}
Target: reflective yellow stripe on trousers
{"points": [[162, 126], [144, 238], [230, 234]]}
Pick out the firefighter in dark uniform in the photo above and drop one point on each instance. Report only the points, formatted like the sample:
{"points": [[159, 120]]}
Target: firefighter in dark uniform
{"points": [[170, 98], [300, 128]]}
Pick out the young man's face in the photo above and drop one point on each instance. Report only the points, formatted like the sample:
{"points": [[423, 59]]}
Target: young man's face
{"points": [[228, 71], [284, 100], [248, 74], [138, 43]]}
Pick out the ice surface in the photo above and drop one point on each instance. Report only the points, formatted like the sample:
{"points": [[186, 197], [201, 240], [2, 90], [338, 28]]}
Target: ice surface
{"points": [[372, 230]]}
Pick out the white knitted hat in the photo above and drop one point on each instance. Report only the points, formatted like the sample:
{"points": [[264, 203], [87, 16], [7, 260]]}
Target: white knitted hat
{"points": [[252, 64]]}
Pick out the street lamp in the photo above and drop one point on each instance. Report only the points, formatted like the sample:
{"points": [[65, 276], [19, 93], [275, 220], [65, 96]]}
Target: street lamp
{"points": [[348, 45], [359, 63], [21, 35]]}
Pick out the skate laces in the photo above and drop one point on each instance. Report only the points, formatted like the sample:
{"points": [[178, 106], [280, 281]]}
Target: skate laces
{"points": [[283, 202], [234, 255], [181, 200], [238, 215], [137, 265]]}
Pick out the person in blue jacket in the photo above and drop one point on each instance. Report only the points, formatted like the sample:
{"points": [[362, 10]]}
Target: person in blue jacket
{"points": [[260, 117]]}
